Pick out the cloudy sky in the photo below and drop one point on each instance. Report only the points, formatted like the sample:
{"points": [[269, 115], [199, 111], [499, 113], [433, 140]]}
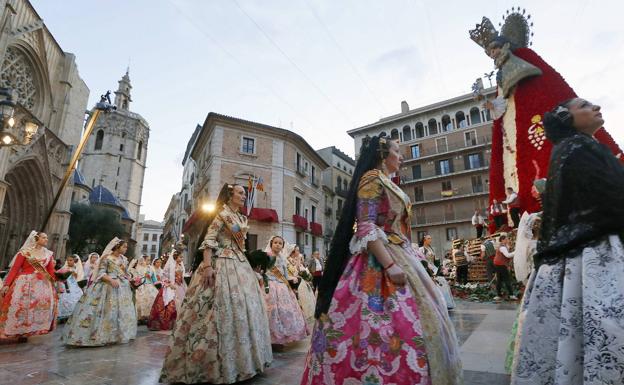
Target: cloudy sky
{"points": [[315, 67]]}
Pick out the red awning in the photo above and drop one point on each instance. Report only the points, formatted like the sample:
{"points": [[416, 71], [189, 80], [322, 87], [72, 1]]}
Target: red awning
{"points": [[316, 229], [192, 219], [263, 215], [300, 222]]}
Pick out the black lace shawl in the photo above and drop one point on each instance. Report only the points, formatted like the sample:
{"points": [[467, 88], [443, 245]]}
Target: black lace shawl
{"points": [[584, 198]]}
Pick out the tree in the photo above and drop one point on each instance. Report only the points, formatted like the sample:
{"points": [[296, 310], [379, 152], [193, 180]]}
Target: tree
{"points": [[92, 227]]}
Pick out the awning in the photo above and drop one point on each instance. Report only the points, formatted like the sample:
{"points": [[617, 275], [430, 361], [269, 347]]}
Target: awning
{"points": [[192, 219], [316, 229], [263, 215], [300, 222]]}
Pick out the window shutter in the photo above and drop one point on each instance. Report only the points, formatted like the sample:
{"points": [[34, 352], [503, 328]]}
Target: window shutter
{"points": [[466, 162], [437, 168], [450, 161]]}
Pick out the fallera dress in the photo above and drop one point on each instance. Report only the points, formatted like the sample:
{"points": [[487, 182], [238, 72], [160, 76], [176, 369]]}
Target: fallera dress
{"points": [[70, 296], [286, 319], [104, 315], [375, 332], [146, 294], [222, 334], [165, 307], [30, 305]]}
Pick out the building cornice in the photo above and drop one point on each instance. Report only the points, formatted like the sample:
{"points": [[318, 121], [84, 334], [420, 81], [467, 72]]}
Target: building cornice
{"points": [[417, 111], [213, 118]]}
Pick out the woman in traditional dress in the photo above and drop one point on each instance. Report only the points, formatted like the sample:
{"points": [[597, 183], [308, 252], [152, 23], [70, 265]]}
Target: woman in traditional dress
{"points": [[436, 266], [157, 270], [175, 273], [145, 295], [305, 292], [222, 333], [90, 266], [380, 317], [165, 308], [573, 329], [286, 318], [28, 300], [105, 314], [72, 293]]}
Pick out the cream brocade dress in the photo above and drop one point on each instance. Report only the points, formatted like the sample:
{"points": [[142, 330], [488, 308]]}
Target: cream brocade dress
{"points": [[222, 333]]}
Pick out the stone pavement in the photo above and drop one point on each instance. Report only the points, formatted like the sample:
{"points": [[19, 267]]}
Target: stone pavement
{"points": [[483, 330]]}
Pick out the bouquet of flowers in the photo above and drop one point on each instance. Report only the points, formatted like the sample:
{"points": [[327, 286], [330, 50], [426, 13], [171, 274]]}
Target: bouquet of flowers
{"points": [[261, 263], [158, 285], [62, 274], [136, 282], [305, 274]]}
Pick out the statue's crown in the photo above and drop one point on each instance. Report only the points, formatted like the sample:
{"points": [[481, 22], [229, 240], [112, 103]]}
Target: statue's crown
{"points": [[484, 33], [516, 29]]}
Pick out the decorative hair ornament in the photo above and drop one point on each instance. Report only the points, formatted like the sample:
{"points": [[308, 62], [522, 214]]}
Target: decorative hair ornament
{"points": [[563, 115]]}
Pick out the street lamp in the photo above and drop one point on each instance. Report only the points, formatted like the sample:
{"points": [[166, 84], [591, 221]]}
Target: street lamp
{"points": [[208, 207], [10, 132]]}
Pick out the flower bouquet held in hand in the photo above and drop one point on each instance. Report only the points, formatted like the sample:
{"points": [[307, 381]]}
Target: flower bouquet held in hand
{"points": [[136, 282], [261, 263], [305, 275]]}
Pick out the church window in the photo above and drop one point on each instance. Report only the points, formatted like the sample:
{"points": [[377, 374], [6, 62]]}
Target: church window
{"points": [[123, 135], [140, 151], [99, 139], [115, 186], [121, 147], [117, 171]]}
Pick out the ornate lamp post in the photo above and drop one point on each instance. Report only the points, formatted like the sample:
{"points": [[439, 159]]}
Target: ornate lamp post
{"points": [[13, 131]]}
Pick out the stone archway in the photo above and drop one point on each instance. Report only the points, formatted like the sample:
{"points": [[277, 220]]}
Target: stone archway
{"points": [[26, 204]]}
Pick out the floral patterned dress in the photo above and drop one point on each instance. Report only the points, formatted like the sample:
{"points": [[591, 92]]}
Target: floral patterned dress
{"points": [[222, 332], [69, 297], [30, 305], [286, 319], [146, 293], [104, 315], [375, 332]]}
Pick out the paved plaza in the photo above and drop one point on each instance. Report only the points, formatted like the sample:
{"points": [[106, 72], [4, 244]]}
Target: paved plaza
{"points": [[483, 330]]}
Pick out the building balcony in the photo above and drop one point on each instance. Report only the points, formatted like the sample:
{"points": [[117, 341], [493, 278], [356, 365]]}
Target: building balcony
{"points": [[300, 222], [341, 192], [428, 176], [442, 219], [432, 150], [316, 229], [315, 182], [458, 193], [300, 170]]}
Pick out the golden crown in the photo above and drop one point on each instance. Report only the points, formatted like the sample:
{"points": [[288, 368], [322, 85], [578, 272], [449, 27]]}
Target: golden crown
{"points": [[484, 33]]}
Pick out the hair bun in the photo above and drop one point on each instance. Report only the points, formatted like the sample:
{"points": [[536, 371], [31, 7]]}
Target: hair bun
{"points": [[558, 124]]}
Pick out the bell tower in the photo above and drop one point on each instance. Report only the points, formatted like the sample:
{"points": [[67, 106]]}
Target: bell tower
{"points": [[122, 95]]}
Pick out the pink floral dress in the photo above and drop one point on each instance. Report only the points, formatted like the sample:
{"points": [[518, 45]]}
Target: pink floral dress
{"points": [[375, 332]]}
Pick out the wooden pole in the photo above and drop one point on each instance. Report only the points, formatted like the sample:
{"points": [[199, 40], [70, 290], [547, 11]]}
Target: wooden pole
{"points": [[72, 165]]}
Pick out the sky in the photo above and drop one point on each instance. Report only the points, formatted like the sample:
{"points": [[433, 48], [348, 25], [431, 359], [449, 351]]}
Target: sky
{"points": [[318, 68]]}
